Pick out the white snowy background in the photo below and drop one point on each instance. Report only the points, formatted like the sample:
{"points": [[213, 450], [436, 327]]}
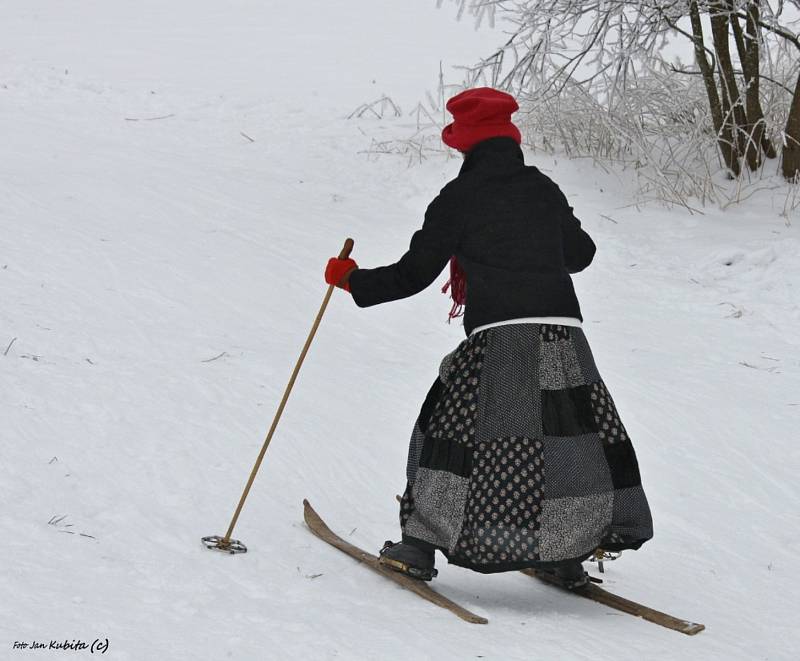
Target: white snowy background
{"points": [[133, 252]]}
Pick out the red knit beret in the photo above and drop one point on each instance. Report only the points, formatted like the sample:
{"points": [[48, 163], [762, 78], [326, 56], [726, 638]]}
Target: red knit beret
{"points": [[478, 114]]}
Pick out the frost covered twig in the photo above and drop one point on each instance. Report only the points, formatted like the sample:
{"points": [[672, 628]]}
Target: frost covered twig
{"points": [[382, 103], [792, 201]]}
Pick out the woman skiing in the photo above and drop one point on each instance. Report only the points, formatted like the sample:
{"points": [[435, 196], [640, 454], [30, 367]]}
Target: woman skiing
{"points": [[518, 457]]}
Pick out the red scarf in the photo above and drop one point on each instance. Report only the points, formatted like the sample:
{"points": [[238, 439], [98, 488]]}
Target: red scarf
{"points": [[457, 284]]}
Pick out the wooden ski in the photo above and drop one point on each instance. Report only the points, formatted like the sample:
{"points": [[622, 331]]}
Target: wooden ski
{"points": [[598, 594], [421, 588]]}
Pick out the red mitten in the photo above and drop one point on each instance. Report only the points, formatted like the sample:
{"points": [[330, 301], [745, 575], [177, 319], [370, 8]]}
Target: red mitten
{"points": [[338, 272]]}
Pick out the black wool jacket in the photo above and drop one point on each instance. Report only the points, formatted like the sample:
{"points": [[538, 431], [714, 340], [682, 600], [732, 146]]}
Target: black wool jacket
{"points": [[513, 233]]}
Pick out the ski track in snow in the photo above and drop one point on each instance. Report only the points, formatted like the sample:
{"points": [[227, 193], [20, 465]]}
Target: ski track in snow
{"points": [[161, 275]]}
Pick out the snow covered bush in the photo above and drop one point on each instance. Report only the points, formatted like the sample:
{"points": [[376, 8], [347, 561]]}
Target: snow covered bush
{"points": [[606, 80]]}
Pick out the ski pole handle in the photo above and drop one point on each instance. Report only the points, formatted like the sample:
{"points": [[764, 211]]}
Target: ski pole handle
{"points": [[346, 249]]}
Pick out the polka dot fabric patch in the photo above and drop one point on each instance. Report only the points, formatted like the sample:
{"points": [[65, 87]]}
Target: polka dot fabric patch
{"points": [[406, 506], [504, 503], [609, 426], [553, 332], [454, 417]]}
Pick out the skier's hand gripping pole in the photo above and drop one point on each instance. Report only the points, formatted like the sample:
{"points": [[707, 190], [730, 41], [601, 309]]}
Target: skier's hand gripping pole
{"points": [[234, 545]]}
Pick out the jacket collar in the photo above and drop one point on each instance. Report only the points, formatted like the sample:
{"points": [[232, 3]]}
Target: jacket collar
{"points": [[494, 152]]}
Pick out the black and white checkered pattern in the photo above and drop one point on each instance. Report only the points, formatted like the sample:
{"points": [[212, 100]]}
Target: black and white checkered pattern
{"points": [[519, 456]]}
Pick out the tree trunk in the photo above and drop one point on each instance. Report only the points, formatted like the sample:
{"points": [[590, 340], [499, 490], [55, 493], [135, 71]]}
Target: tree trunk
{"points": [[715, 105], [791, 146], [727, 134], [748, 47], [755, 113], [735, 120]]}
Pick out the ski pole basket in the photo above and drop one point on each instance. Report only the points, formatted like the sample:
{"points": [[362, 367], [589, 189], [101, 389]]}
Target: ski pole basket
{"points": [[217, 543]]}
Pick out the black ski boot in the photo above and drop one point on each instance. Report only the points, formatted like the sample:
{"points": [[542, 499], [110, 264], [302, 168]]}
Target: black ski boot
{"points": [[408, 559], [569, 574]]}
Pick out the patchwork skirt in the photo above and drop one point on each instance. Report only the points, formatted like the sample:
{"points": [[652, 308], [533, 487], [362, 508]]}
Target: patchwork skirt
{"points": [[519, 458]]}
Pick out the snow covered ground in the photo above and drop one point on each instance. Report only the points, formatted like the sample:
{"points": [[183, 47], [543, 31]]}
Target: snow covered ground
{"points": [[158, 278]]}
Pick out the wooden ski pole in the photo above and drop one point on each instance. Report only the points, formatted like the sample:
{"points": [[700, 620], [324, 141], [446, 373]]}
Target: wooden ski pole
{"points": [[234, 546]]}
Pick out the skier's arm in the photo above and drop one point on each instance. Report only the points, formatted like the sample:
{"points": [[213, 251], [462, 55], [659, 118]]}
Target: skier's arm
{"points": [[579, 249], [430, 249]]}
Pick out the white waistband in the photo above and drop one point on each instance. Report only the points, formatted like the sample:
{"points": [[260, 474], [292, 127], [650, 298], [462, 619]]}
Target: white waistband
{"points": [[561, 321]]}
